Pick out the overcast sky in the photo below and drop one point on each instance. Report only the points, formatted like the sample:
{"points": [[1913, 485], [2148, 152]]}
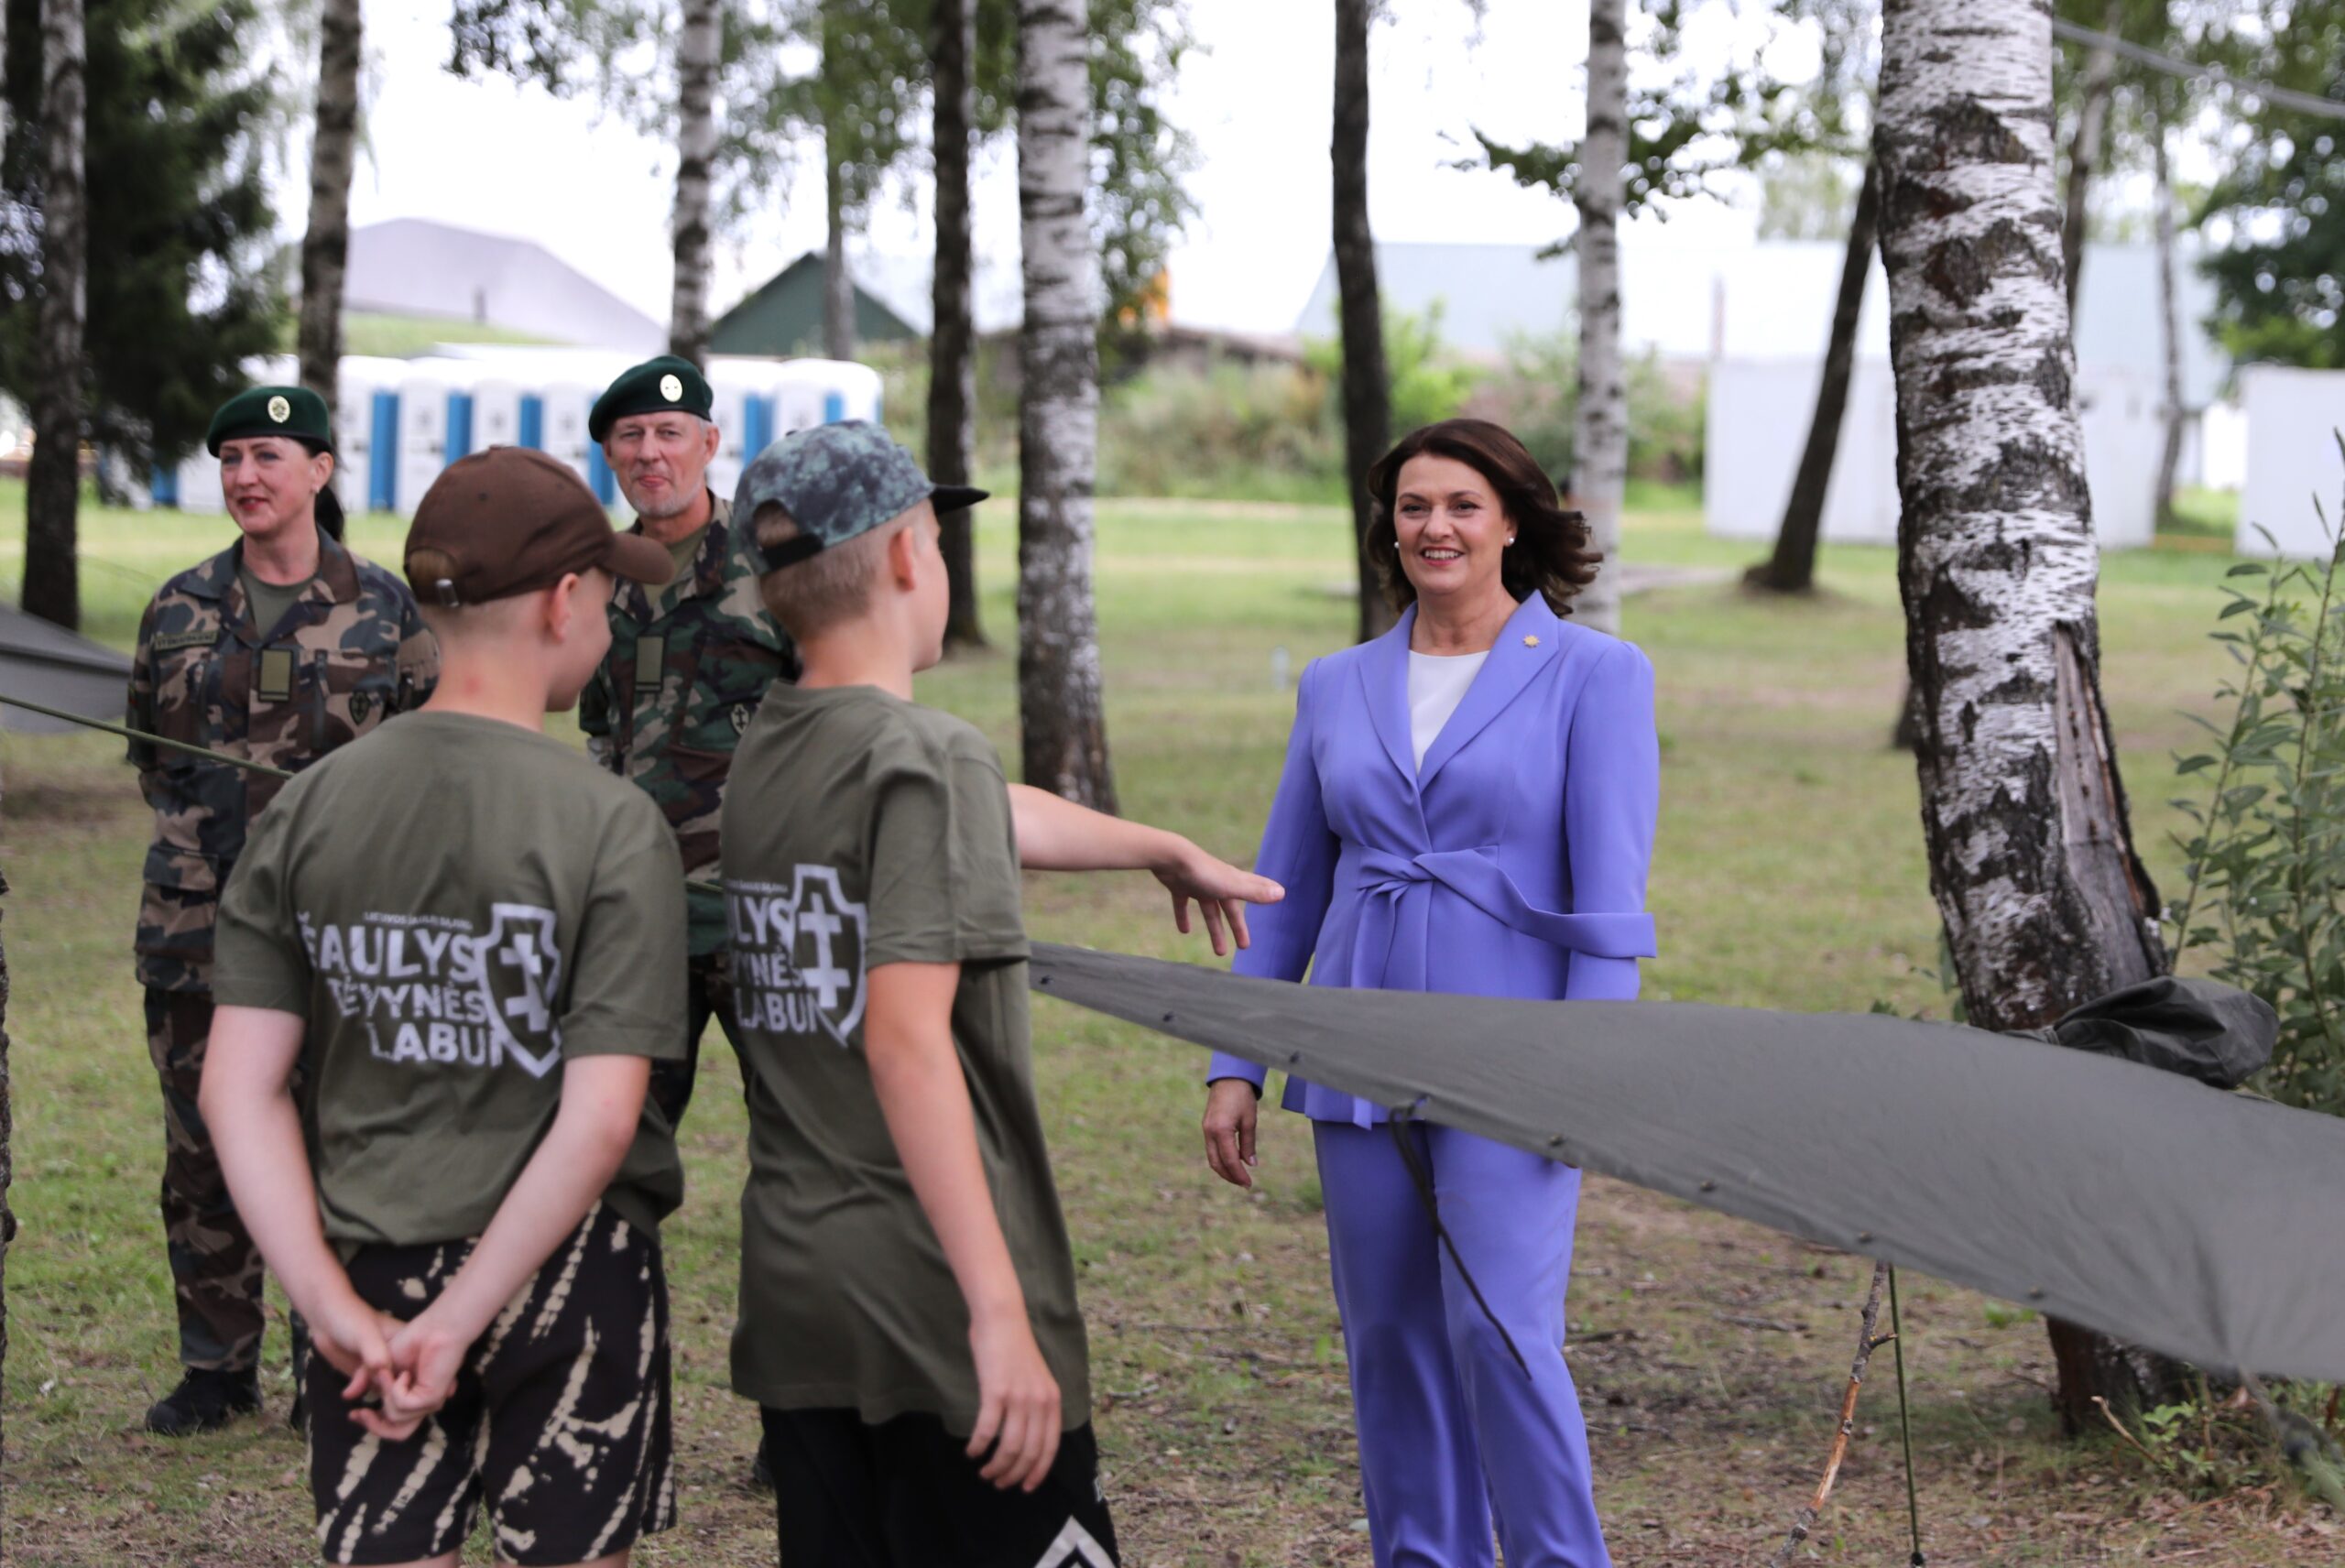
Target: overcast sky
{"points": [[1256, 94]]}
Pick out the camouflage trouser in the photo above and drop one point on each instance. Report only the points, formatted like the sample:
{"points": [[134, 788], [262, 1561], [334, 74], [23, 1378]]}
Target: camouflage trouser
{"points": [[708, 994], [215, 1268]]}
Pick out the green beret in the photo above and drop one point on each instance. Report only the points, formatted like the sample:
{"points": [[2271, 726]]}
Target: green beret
{"points": [[294, 411], [661, 386]]}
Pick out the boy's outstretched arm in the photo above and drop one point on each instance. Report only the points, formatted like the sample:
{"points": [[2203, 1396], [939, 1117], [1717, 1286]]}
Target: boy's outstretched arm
{"points": [[248, 1102], [916, 1073], [594, 1126], [1059, 835]]}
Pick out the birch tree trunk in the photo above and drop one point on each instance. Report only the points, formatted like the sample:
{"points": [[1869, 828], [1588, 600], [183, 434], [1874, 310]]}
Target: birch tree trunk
{"points": [[952, 339], [1792, 568], [838, 288], [326, 246], [698, 44], [1600, 439], [2031, 855], [2170, 324], [1367, 405], [1061, 712], [53, 481], [2084, 152]]}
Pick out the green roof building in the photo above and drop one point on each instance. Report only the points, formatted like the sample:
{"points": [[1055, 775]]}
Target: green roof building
{"points": [[784, 316]]}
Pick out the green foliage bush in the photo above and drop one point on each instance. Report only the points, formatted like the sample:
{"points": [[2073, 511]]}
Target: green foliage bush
{"points": [[1536, 395], [2266, 878], [1248, 431], [1268, 431]]}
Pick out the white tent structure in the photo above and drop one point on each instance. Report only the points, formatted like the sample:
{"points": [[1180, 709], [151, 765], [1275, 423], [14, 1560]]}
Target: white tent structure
{"points": [[1758, 417], [2295, 471]]}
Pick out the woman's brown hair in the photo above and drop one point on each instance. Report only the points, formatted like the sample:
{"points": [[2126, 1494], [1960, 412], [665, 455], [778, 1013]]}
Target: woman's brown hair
{"points": [[1550, 551]]}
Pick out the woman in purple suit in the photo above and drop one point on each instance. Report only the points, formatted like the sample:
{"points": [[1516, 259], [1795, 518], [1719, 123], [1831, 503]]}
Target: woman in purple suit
{"points": [[1468, 806]]}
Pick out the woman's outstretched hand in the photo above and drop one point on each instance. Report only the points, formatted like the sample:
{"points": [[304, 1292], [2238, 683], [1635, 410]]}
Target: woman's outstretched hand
{"points": [[1229, 1130], [1221, 890]]}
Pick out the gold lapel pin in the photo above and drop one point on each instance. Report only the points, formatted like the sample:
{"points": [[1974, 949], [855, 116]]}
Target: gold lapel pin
{"points": [[1530, 641]]}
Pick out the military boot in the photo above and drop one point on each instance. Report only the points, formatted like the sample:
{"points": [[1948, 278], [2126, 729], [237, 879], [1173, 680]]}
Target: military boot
{"points": [[205, 1400]]}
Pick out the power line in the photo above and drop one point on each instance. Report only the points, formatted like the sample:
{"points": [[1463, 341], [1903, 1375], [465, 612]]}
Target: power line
{"points": [[2305, 102]]}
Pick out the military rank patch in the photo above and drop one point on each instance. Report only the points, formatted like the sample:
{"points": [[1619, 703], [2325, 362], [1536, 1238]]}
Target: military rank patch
{"points": [[360, 704], [742, 714], [275, 682]]}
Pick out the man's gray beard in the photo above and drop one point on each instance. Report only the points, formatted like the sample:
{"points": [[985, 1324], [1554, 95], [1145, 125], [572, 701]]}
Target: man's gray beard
{"points": [[680, 501]]}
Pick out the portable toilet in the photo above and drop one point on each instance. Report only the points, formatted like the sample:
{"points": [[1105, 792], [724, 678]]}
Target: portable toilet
{"points": [[366, 435], [808, 392], [729, 411], [757, 422], [198, 483], [496, 415], [563, 405], [799, 395], [424, 431]]}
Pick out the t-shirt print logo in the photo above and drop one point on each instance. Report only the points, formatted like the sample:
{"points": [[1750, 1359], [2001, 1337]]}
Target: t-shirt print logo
{"points": [[798, 963], [427, 991], [520, 974]]}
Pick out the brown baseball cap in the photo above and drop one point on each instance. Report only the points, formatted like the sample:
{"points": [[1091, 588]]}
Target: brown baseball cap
{"points": [[511, 520]]}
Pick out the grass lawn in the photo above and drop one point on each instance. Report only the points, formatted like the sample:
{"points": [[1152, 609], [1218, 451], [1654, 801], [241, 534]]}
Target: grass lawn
{"points": [[1790, 874]]}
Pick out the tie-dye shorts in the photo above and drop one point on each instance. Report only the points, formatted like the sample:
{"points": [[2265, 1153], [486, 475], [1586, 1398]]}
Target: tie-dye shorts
{"points": [[560, 1419]]}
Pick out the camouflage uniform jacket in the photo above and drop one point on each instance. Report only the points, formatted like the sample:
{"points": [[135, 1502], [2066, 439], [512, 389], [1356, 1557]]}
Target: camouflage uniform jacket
{"points": [[350, 651], [688, 663]]}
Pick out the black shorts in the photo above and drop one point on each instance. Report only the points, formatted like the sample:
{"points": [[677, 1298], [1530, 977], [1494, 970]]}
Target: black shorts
{"points": [[560, 1418], [905, 1494]]}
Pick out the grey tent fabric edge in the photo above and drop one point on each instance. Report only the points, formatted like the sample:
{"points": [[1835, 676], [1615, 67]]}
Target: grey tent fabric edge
{"points": [[2191, 1282]]}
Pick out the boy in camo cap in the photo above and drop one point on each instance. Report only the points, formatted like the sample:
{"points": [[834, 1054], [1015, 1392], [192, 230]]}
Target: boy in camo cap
{"points": [[908, 1317], [465, 1201]]}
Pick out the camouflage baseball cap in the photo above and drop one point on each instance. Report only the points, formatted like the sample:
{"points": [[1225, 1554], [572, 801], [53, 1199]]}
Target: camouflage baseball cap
{"points": [[836, 481]]}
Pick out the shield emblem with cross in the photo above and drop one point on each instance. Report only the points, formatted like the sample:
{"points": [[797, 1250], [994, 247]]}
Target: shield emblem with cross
{"points": [[520, 979], [799, 956]]}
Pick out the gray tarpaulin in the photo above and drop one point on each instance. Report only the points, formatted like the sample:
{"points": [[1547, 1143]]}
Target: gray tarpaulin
{"points": [[53, 666], [2208, 1225]]}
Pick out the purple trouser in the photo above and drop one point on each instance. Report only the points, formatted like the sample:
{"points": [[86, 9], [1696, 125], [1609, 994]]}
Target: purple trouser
{"points": [[1451, 1431]]}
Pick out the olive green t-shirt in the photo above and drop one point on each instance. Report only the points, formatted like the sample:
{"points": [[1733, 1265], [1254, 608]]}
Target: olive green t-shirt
{"points": [[269, 601], [862, 831], [684, 551], [456, 906]]}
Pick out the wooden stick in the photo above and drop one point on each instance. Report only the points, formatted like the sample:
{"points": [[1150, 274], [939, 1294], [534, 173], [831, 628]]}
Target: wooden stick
{"points": [[1867, 1343]]}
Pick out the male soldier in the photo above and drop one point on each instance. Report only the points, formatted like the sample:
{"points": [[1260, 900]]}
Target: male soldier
{"points": [[689, 662], [279, 649]]}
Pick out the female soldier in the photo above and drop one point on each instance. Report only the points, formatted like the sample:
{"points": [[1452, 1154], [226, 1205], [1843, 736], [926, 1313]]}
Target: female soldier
{"points": [[277, 650], [1468, 806]]}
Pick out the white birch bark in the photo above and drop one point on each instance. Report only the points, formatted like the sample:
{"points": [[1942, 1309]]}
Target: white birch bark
{"points": [[52, 481], [2030, 856], [325, 244], [1061, 712], [1601, 442], [698, 42]]}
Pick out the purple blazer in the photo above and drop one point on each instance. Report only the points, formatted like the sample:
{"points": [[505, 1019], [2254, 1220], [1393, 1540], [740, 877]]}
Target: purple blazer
{"points": [[1511, 865]]}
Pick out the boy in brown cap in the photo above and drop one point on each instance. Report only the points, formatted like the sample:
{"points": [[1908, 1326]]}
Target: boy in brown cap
{"points": [[465, 1207]]}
